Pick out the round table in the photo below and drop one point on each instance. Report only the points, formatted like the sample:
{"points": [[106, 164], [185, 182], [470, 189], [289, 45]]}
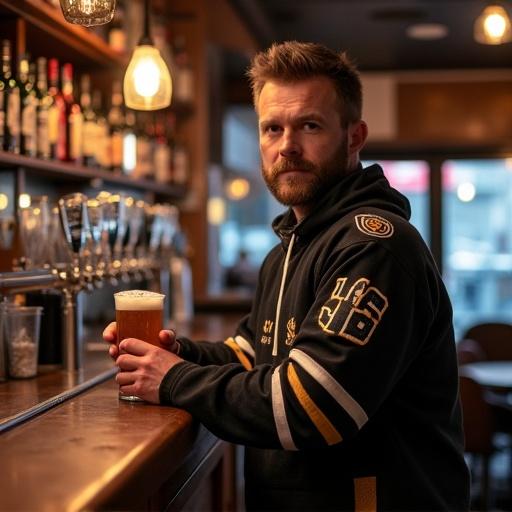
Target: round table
{"points": [[491, 374]]}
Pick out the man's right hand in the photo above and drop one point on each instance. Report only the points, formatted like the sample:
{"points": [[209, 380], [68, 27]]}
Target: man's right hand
{"points": [[167, 340]]}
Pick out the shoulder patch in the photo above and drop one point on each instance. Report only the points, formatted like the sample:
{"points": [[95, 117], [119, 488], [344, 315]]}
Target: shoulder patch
{"points": [[373, 225]]}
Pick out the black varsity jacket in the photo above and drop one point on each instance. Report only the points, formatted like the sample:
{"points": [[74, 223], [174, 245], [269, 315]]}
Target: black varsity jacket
{"points": [[342, 381]]}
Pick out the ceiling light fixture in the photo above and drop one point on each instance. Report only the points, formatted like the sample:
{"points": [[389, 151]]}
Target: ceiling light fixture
{"points": [[147, 82], [493, 26], [88, 12]]}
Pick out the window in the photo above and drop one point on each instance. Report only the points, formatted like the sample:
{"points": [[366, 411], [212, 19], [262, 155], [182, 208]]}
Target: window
{"points": [[411, 178], [477, 254]]}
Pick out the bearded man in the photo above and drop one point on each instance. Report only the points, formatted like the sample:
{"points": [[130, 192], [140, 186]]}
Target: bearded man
{"points": [[342, 381]]}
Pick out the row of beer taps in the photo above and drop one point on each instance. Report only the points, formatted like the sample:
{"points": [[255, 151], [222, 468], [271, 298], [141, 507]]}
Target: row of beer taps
{"points": [[86, 241]]}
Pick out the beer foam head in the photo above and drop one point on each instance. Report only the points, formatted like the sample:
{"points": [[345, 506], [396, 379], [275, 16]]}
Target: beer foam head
{"points": [[137, 300]]}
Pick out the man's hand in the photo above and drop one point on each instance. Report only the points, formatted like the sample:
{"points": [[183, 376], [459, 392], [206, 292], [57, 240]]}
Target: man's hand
{"points": [[167, 340], [142, 367]]}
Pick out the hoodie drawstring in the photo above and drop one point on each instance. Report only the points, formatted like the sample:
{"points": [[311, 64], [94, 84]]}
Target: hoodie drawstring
{"points": [[281, 290]]}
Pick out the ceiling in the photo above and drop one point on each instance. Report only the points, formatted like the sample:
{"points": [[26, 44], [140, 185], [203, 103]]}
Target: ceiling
{"points": [[374, 32]]}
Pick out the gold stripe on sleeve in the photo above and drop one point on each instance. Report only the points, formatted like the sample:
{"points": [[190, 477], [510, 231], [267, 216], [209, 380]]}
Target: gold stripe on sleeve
{"points": [[325, 427], [230, 342], [365, 494]]}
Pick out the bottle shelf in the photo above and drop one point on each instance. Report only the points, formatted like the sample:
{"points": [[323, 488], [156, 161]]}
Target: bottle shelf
{"points": [[71, 172], [46, 26]]}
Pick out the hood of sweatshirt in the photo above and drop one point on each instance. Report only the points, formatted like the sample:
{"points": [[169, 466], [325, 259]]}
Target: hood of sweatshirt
{"points": [[363, 187]]}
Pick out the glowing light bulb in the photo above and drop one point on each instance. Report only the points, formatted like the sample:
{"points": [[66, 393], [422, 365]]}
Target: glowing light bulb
{"points": [[147, 82], [495, 25], [466, 192], [88, 12], [24, 200], [146, 78], [4, 201]]}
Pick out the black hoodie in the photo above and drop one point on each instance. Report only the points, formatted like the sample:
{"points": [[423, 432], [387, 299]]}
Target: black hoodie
{"points": [[342, 381]]}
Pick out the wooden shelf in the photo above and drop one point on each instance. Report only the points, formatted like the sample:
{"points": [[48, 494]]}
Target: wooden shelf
{"points": [[67, 171], [49, 21]]}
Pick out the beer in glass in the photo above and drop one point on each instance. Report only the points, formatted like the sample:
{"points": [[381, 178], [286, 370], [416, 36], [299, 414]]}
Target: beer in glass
{"points": [[139, 314]]}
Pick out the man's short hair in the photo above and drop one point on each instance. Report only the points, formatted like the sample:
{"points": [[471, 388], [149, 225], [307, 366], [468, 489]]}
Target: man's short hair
{"points": [[293, 61]]}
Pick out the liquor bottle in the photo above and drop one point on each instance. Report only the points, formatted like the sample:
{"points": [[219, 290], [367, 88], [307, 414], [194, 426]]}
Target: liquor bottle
{"points": [[43, 104], [162, 155], [129, 143], [143, 168], [57, 132], [10, 104], [89, 133], [29, 101], [74, 119], [116, 123], [180, 163], [184, 79], [117, 33], [103, 145]]}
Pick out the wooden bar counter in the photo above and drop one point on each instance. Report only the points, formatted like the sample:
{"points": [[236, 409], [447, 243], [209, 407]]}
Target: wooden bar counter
{"points": [[95, 452]]}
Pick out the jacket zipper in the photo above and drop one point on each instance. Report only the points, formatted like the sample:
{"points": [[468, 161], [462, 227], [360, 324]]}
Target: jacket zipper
{"points": [[281, 290]]}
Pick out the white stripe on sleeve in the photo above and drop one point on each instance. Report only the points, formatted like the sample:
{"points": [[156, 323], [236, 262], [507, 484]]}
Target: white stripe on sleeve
{"points": [[245, 345], [283, 430], [331, 385]]}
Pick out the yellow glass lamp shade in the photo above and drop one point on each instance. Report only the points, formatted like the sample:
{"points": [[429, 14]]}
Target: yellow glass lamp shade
{"points": [[147, 81], [493, 26], [88, 12]]}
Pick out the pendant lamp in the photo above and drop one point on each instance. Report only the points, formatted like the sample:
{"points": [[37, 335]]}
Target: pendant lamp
{"points": [[88, 12], [147, 82], [493, 26]]}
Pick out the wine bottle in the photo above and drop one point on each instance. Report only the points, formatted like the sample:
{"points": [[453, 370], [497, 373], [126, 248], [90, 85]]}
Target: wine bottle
{"points": [[74, 119], [116, 124], [89, 134], [103, 145], [27, 80], [129, 143], [10, 104], [184, 80], [43, 141], [162, 156], [57, 132]]}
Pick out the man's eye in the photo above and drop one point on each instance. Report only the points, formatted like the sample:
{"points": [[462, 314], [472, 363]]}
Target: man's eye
{"points": [[310, 126], [272, 128]]}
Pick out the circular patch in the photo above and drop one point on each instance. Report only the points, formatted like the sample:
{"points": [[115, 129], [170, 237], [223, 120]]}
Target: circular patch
{"points": [[374, 225]]}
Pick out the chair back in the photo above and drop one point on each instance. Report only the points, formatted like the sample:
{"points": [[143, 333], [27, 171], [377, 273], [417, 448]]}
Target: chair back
{"points": [[495, 339], [477, 418], [469, 351]]}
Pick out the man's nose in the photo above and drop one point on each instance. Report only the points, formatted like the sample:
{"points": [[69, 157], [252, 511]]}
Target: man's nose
{"points": [[290, 145]]}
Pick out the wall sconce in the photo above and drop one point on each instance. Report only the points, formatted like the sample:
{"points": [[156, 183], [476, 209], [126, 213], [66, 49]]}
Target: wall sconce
{"points": [[147, 82], [493, 26], [88, 12]]}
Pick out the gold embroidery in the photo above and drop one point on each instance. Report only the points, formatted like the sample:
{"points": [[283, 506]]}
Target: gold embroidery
{"points": [[266, 339], [374, 225], [290, 331], [356, 315]]}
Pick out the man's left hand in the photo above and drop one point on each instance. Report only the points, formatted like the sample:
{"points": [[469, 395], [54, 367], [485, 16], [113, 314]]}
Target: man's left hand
{"points": [[142, 367]]}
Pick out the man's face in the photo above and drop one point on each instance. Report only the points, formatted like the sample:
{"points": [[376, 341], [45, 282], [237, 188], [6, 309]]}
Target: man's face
{"points": [[304, 148]]}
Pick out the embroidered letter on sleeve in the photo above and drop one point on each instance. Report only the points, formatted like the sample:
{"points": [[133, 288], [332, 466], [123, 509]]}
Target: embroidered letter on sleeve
{"points": [[355, 315]]}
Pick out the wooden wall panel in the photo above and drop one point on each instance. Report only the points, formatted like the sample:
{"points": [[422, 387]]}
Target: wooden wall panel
{"points": [[472, 112]]}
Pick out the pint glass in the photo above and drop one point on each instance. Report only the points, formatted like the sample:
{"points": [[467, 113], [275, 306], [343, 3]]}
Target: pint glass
{"points": [[139, 314]]}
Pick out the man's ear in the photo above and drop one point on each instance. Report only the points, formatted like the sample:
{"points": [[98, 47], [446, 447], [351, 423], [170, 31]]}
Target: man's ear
{"points": [[357, 135]]}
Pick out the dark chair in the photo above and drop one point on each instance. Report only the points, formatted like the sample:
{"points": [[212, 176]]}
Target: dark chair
{"points": [[469, 351], [478, 423], [494, 338]]}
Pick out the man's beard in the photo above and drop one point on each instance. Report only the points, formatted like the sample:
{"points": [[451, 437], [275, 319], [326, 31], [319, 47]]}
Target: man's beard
{"points": [[317, 178]]}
